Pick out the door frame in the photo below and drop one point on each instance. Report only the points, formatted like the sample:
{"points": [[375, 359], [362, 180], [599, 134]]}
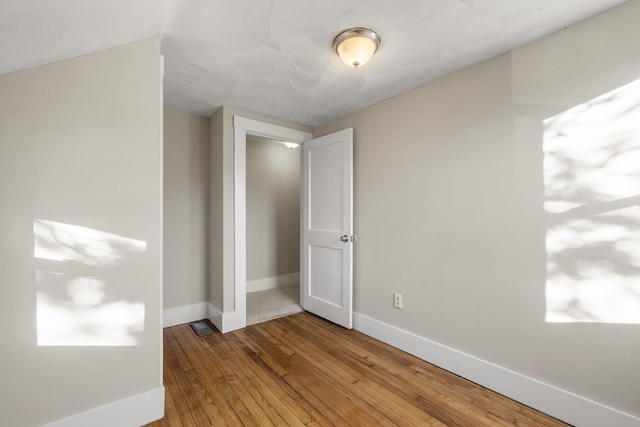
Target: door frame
{"points": [[243, 127]]}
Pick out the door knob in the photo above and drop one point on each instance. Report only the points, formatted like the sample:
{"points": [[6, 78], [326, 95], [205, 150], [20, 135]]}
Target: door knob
{"points": [[345, 238]]}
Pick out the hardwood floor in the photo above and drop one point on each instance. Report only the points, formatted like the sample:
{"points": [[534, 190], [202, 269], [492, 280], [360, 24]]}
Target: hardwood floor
{"points": [[302, 370]]}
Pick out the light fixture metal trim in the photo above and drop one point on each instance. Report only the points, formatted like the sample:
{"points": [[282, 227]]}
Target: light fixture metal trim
{"points": [[357, 32]]}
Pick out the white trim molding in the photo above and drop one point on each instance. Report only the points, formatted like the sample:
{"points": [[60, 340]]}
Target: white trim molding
{"points": [[243, 126], [132, 411], [558, 403], [214, 315], [184, 314], [267, 283], [268, 130], [226, 322]]}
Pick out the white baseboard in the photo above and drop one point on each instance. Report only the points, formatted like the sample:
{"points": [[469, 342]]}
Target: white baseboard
{"points": [[214, 315], [551, 400], [233, 321], [273, 282], [132, 411], [226, 322], [184, 314]]}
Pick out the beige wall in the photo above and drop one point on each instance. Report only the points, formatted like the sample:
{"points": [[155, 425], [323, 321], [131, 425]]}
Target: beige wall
{"points": [[221, 284], [81, 224], [449, 209], [216, 223], [186, 175], [273, 209]]}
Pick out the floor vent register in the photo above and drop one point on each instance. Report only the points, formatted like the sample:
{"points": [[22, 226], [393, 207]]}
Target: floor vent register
{"points": [[201, 328]]}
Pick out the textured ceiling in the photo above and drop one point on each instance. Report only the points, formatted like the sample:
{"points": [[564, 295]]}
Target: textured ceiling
{"points": [[274, 56]]}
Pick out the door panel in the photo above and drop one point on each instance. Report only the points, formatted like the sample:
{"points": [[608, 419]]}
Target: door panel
{"points": [[326, 187], [327, 221], [320, 287]]}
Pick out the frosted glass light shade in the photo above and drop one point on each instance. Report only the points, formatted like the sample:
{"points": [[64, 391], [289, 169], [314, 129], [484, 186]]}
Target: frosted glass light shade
{"points": [[356, 46]]}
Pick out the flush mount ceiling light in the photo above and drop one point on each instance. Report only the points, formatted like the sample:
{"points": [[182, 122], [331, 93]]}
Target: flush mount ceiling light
{"points": [[291, 145], [356, 46]]}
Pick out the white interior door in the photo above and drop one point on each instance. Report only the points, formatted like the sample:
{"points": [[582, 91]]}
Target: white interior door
{"points": [[327, 227]]}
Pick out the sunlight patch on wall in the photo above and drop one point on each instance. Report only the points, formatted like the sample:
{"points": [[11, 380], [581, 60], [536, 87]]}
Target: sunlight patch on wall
{"points": [[592, 201], [82, 299], [66, 242]]}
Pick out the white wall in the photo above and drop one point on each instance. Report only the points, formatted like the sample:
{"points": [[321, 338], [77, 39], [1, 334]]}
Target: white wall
{"points": [[186, 175], [449, 196], [81, 224], [273, 209]]}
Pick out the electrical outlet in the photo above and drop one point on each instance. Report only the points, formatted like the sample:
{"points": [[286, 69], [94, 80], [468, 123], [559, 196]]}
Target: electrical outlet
{"points": [[397, 300]]}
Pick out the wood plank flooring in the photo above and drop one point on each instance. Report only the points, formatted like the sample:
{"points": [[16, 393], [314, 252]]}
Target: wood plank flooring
{"points": [[301, 370]]}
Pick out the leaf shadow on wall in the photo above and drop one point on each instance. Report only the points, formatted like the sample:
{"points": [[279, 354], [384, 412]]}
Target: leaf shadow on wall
{"points": [[81, 297], [592, 205]]}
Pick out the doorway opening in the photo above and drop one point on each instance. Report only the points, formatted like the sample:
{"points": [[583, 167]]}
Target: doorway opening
{"points": [[243, 127], [273, 228]]}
